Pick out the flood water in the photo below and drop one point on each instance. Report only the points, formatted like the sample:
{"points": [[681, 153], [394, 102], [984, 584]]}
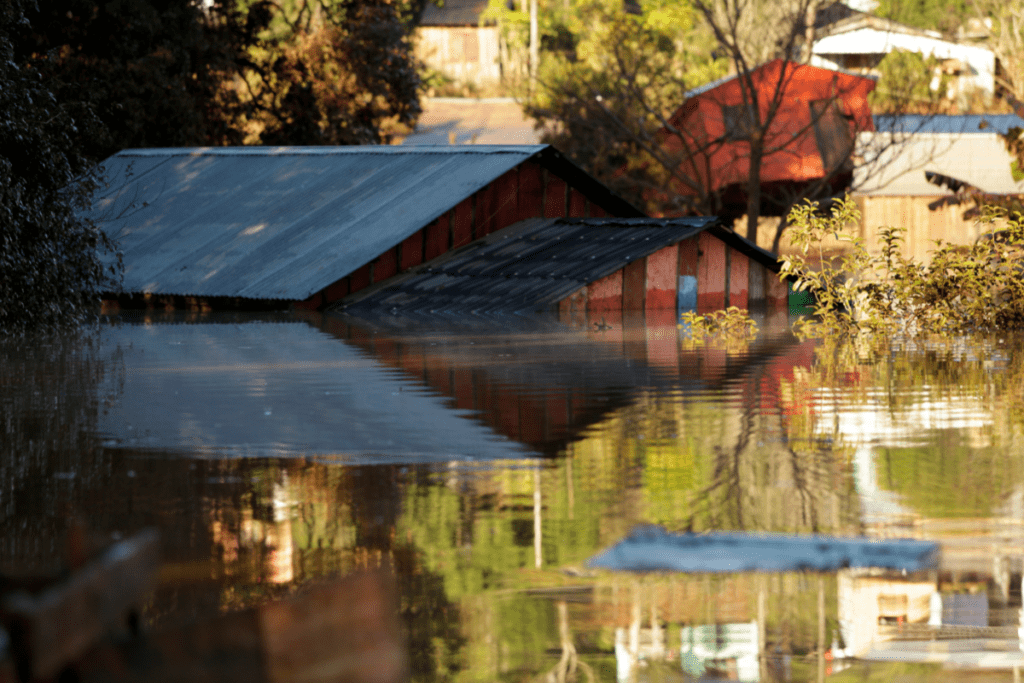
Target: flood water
{"points": [[487, 463]]}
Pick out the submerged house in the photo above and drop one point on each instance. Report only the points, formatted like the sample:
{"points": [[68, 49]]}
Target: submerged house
{"points": [[312, 227], [811, 137]]}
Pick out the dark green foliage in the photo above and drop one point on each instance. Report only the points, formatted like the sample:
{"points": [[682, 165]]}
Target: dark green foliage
{"points": [[936, 15], [49, 258], [171, 73], [347, 79], [148, 69]]}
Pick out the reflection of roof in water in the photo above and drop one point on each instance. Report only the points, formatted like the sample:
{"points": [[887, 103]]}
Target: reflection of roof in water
{"points": [[653, 549], [272, 388], [542, 383]]}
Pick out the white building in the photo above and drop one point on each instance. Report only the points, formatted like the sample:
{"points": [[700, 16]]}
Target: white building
{"points": [[860, 41]]}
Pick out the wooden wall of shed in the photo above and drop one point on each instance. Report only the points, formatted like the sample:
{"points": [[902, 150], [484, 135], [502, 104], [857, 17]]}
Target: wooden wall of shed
{"points": [[923, 225], [527, 191], [724, 277]]}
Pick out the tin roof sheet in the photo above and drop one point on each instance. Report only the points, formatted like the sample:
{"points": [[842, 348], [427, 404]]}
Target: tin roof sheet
{"points": [[453, 13], [525, 267], [279, 222], [951, 124]]}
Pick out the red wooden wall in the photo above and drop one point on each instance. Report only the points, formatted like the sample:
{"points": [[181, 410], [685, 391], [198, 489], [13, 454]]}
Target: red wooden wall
{"points": [[527, 191], [725, 277]]}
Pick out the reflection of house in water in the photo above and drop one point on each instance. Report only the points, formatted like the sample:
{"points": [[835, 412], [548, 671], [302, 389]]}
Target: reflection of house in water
{"points": [[870, 599], [723, 650], [545, 386], [277, 388]]}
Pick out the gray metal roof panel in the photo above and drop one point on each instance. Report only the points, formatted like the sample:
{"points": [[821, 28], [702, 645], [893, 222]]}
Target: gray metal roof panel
{"points": [[526, 266], [453, 13], [953, 123], [279, 223]]}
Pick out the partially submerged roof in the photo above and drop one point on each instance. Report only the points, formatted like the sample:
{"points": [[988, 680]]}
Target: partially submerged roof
{"points": [[286, 222], [528, 266], [795, 71], [896, 165]]}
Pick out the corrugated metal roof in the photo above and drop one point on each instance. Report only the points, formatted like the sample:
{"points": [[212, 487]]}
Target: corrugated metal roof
{"points": [[957, 124], [453, 13], [279, 222], [525, 267], [897, 166]]}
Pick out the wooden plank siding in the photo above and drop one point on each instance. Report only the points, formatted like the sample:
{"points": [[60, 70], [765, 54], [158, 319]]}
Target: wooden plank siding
{"points": [[527, 191], [700, 274], [461, 224], [711, 271], [739, 279]]}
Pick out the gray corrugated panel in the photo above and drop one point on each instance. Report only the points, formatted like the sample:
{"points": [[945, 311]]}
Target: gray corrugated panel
{"points": [[279, 223], [453, 13], [526, 266], [962, 123]]}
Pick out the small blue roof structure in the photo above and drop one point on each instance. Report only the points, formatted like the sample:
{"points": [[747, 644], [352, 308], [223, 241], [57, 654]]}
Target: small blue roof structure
{"points": [[955, 124], [652, 549]]}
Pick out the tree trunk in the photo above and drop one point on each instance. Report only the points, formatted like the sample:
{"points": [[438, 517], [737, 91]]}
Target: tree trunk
{"points": [[754, 190]]}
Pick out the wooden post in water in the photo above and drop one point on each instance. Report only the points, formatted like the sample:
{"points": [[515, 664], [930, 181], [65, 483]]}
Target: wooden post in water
{"points": [[761, 640], [821, 628], [537, 557]]}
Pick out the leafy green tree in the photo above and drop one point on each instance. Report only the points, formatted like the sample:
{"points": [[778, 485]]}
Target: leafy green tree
{"points": [[936, 15], [166, 73], [336, 72], [905, 84], [608, 88], [49, 257], [148, 69]]}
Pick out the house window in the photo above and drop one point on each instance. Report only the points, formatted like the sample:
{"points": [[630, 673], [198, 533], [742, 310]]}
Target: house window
{"points": [[832, 132], [739, 122]]}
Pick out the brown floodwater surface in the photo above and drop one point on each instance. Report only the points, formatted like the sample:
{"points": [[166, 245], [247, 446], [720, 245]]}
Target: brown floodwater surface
{"points": [[486, 463]]}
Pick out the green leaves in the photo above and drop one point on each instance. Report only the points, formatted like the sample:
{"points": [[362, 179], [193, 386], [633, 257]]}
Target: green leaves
{"points": [[49, 258], [963, 289]]}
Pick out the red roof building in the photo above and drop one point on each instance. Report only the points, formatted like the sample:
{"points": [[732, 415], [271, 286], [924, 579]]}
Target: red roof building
{"points": [[810, 139]]}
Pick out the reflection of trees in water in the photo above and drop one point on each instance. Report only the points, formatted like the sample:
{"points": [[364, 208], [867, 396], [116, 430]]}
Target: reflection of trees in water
{"points": [[732, 461], [943, 419], [770, 474], [49, 403]]}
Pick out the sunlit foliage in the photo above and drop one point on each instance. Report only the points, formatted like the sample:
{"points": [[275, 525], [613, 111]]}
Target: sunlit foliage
{"points": [[975, 288], [608, 86]]}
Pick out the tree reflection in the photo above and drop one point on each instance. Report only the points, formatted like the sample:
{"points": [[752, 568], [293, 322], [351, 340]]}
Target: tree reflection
{"points": [[52, 387]]}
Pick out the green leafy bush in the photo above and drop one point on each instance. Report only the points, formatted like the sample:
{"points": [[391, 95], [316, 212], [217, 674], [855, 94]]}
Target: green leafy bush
{"points": [[975, 288]]}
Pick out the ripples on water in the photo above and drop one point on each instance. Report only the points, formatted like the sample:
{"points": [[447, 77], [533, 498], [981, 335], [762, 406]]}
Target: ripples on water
{"points": [[274, 450]]}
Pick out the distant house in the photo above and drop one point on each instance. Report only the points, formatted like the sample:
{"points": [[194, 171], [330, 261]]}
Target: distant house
{"points": [[810, 140], [309, 225], [892, 188], [858, 42], [452, 40]]}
